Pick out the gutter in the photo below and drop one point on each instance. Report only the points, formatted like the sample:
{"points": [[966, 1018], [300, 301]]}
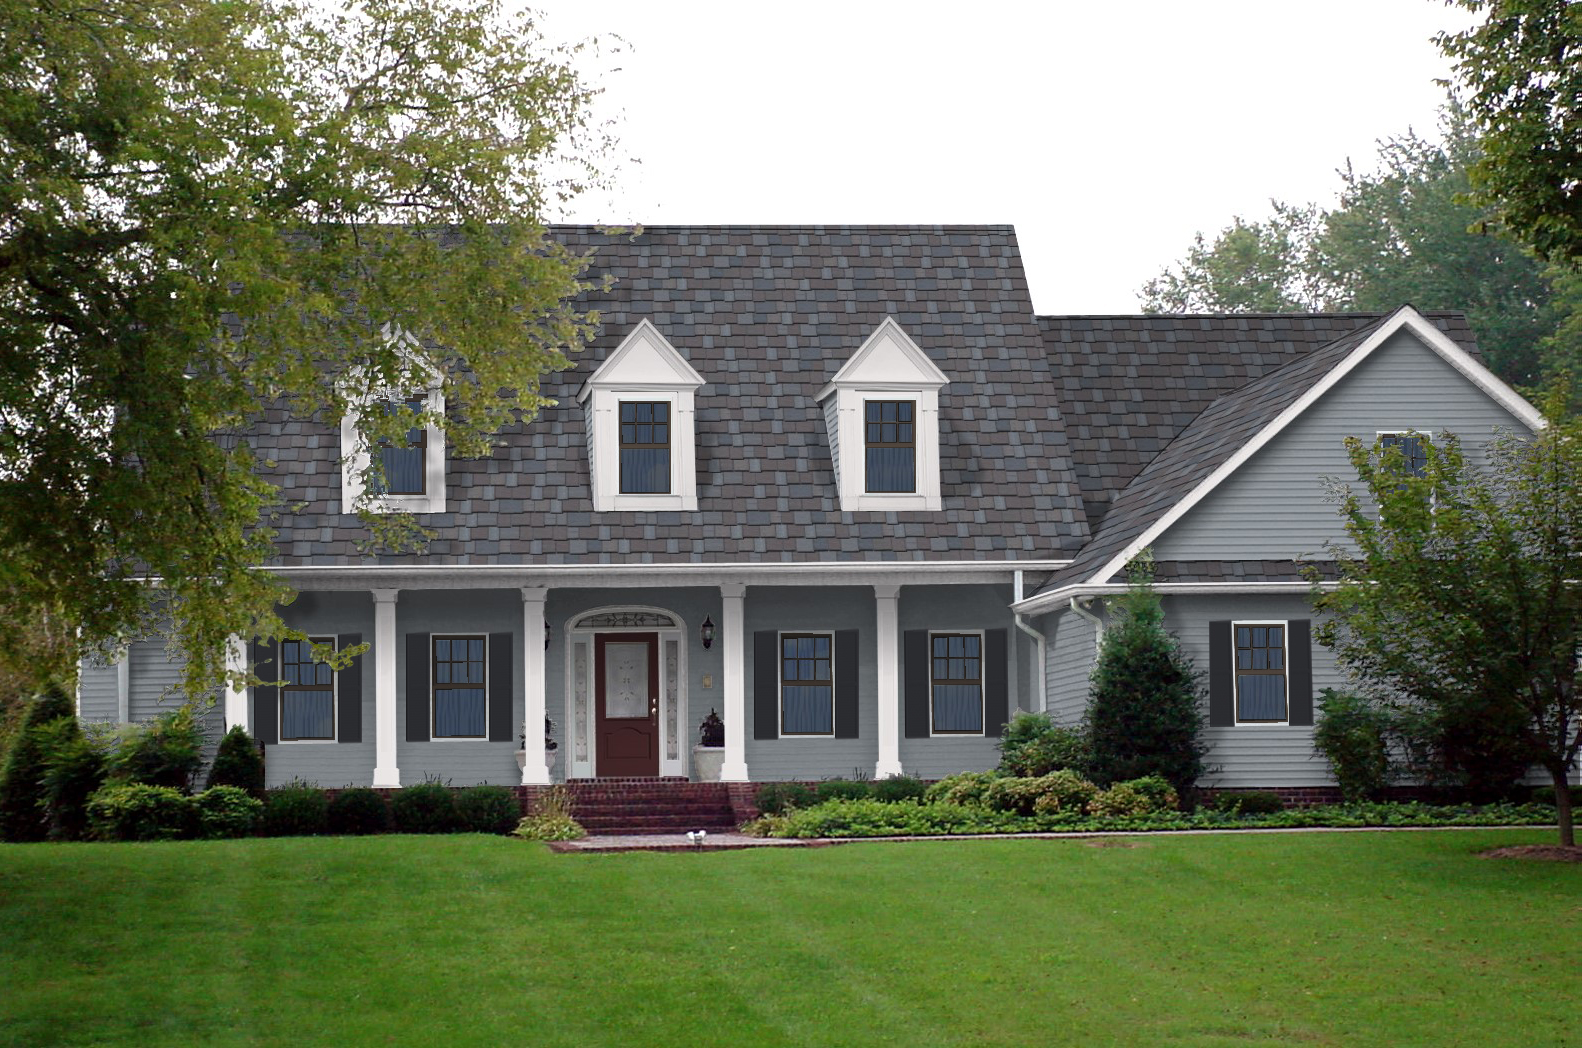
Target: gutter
{"points": [[1040, 675], [1042, 602], [1077, 605]]}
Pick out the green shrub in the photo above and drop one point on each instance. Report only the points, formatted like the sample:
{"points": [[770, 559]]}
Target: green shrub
{"points": [[166, 751], [238, 763], [426, 808], [967, 789], [1123, 799], [550, 818], [1032, 746], [136, 811], [227, 811], [1351, 735], [776, 798], [298, 809], [23, 815], [1014, 794], [842, 790], [359, 811], [1159, 792], [899, 788], [1545, 795], [1248, 802], [487, 809], [1065, 792], [74, 768]]}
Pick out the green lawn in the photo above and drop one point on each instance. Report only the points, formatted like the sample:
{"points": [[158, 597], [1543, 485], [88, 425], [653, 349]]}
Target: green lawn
{"points": [[1343, 939]]}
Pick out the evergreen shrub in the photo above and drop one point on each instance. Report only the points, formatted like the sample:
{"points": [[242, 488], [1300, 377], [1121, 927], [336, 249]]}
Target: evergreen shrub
{"points": [[1032, 745], [426, 808], [1249, 802], [359, 811], [166, 751], [1064, 792], [842, 790], [776, 798], [487, 809], [227, 811], [74, 768], [23, 815], [297, 809], [898, 789], [135, 811], [238, 763], [967, 789], [1352, 735]]}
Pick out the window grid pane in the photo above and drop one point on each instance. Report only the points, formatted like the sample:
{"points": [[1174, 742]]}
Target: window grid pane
{"points": [[307, 700], [460, 699], [645, 447], [404, 467], [957, 684], [807, 693], [1260, 674], [891, 445]]}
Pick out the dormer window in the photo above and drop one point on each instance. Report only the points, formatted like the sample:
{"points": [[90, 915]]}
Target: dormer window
{"points": [[881, 411], [404, 463], [641, 447], [413, 465]]}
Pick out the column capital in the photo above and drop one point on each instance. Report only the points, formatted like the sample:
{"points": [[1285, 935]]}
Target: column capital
{"points": [[534, 594], [886, 591], [385, 596], [733, 590]]}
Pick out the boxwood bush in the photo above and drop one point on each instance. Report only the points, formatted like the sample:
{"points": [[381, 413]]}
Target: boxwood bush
{"points": [[426, 808], [298, 809], [227, 811], [238, 763], [898, 789], [135, 811], [488, 809], [842, 790], [778, 797], [358, 811], [1249, 802], [969, 788]]}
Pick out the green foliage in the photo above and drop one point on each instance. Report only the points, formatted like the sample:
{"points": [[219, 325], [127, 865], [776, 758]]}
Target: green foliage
{"points": [[777, 797], [1064, 792], [227, 811], [1145, 796], [841, 789], [74, 767], [1456, 604], [238, 762], [487, 809], [1522, 73], [1033, 745], [966, 789], [23, 816], [1145, 708], [429, 807], [166, 751], [359, 811], [298, 809], [550, 818], [899, 789], [1252, 267], [170, 163], [1248, 802], [135, 811], [1352, 735]]}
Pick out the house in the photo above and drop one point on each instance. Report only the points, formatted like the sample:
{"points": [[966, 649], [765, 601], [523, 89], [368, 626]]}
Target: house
{"points": [[841, 485]]}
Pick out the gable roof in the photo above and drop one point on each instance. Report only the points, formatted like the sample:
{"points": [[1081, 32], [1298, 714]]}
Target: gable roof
{"points": [[1236, 425]]}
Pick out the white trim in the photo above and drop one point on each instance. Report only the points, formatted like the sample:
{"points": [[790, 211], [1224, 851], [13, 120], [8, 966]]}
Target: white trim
{"points": [[236, 694], [1405, 317], [355, 459], [1285, 673], [780, 678], [335, 700], [535, 665], [1057, 600], [983, 697], [926, 372], [386, 772], [733, 672], [433, 686], [615, 370], [123, 685], [576, 634], [887, 658]]}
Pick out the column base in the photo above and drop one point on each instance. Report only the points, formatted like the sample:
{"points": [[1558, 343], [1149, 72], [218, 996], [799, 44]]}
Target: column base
{"points": [[736, 772], [887, 770], [538, 776], [387, 779]]}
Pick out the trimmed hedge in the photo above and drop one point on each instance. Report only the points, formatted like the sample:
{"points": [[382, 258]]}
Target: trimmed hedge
{"points": [[777, 797], [359, 811], [296, 810], [487, 809], [226, 811], [135, 811], [426, 808]]}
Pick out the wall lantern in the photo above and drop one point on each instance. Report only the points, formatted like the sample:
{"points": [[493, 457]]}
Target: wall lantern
{"points": [[708, 634]]}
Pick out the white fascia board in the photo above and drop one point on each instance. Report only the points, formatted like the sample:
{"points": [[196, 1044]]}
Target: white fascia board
{"points": [[1059, 600], [861, 371], [1405, 317], [645, 360]]}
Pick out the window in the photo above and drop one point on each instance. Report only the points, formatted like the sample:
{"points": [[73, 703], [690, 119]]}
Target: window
{"points": [[1260, 673], [957, 680], [645, 447], [307, 700], [807, 684], [413, 465], [405, 467], [1412, 451], [461, 709], [891, 435]]}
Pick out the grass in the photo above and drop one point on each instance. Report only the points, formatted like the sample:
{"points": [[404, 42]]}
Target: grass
{"points": [[1343, 939]]}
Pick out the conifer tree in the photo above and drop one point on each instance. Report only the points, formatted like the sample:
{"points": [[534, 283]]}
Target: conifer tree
{"points": [[22, 813]]}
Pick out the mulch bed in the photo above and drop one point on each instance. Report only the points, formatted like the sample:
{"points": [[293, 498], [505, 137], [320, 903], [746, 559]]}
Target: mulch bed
{"points": [[1542, 852]]}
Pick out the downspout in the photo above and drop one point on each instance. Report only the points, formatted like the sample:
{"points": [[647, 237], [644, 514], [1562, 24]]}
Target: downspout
{"points": [[1041, 672], [1098, 624]]}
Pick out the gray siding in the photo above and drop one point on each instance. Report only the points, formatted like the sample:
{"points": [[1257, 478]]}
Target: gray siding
{"points": [[332, 764], [1274, 506], [960, 608], [97, 698], [1070, 652], [153, 677]]}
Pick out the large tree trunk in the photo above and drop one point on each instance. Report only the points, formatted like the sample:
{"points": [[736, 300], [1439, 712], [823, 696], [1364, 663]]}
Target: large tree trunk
{"points": [[1563, 806]]}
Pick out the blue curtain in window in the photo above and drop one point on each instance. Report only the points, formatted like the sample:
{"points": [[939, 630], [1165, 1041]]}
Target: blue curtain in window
{"points": [[459, 712], [403, 471], [958, 707], [808, 709], [307, 715], [892, 469], [645, 471], [1260, 697]]}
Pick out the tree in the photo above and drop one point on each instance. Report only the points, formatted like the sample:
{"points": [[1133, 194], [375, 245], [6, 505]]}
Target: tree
{"points": [[1457, 597], [23, 816], [1145, 714], [1522, 74], [1401, 232], [207, 208]]}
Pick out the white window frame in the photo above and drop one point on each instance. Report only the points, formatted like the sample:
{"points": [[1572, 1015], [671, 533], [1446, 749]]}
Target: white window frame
{"points": [[1285, 676], [335, 702], [1425, 433], [355, 458], [983, 689], [780, 718], [433, 687]]}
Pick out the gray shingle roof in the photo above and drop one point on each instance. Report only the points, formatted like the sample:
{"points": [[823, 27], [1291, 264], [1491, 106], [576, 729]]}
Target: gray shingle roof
{"points": [[766, 315]]}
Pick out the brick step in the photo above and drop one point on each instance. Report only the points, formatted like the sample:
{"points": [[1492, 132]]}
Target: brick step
{"points": [[655, 824], [648, 791], [694, 814]]}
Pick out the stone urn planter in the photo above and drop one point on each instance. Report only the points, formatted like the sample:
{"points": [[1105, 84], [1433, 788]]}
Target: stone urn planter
{"points": [[549, 759], [707, 762]]}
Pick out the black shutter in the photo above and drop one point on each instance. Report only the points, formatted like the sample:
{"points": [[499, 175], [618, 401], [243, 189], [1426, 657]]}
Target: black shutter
{"points": [[1299, 663], [500, 687], [1221, 678], [846, 684], [266, 697], [349, 694], [914, 647], [766, 685], [418, 698], [996, 688]]}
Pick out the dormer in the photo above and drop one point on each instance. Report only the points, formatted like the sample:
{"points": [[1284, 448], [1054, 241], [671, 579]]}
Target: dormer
{"points": [[412, 466], [639, 411], [882, 413]]}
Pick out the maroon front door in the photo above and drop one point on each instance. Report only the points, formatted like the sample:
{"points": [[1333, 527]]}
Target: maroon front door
{"points": [[626, 683]]}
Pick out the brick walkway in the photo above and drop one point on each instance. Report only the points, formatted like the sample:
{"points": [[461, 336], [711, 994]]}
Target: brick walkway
{"points": [[678, 842]]}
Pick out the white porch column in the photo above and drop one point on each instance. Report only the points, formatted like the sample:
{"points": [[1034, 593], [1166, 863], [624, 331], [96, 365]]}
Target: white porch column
{"points": [[386, 774], [888, 657], [123, 686], [732, 636], [534, 771], [236, 694]]}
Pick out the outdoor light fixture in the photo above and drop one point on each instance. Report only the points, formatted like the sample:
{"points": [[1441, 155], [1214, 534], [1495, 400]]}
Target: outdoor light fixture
{"points": [[708, 634], [546, 634]]}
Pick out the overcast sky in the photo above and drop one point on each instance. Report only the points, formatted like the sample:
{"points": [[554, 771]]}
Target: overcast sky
{"points": [[1106, 133]]}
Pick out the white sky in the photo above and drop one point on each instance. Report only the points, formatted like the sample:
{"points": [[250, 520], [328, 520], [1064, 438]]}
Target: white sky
{"points": [[1106, 133]]}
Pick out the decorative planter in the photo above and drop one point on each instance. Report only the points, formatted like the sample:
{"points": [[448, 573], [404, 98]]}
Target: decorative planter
{"points": [[549, 759], [707, 762]]}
